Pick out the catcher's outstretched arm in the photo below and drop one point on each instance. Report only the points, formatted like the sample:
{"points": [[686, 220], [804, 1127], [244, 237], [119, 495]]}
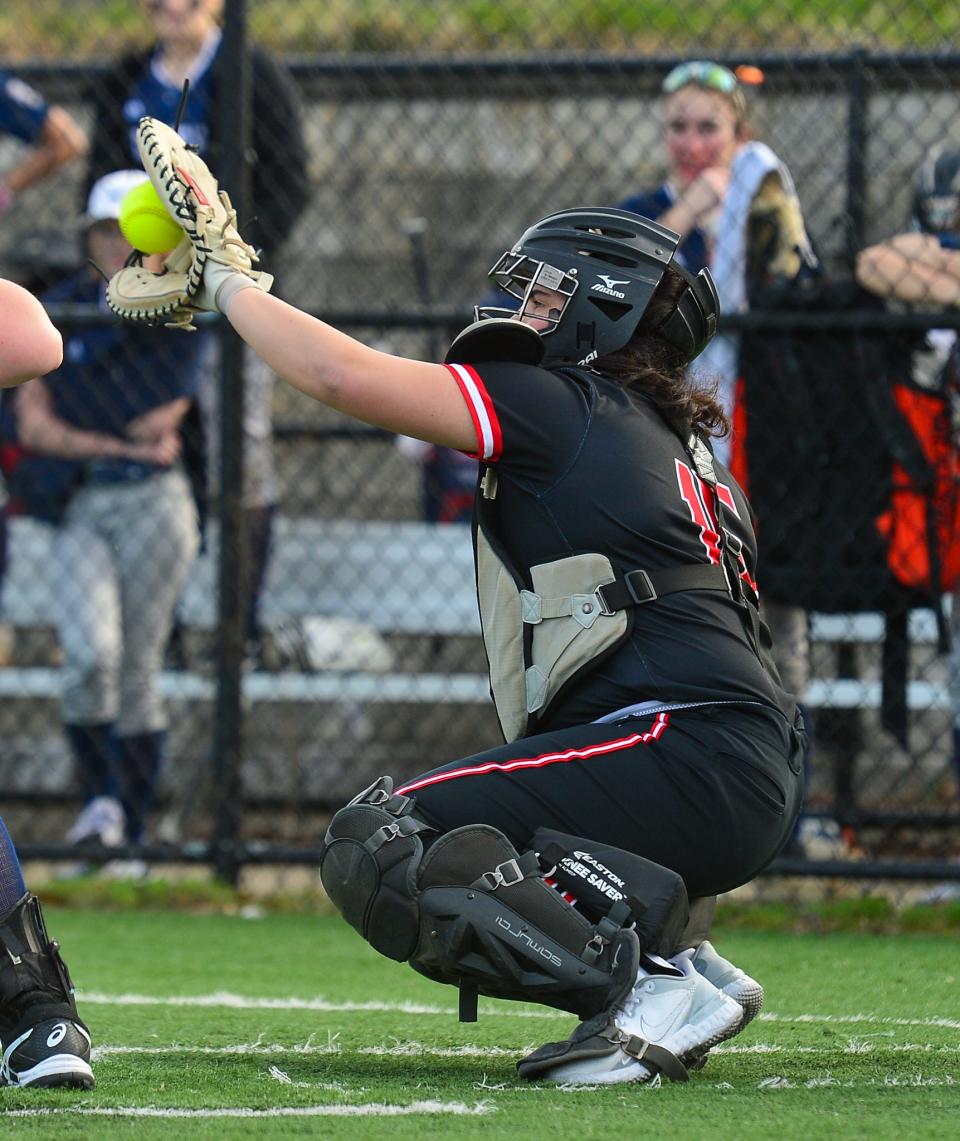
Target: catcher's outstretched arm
{"points": [[405, 396], [214, 270], [29, 344]]}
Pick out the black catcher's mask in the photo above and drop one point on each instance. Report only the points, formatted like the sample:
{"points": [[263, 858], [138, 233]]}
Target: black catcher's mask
{"points": [[605, 264]]}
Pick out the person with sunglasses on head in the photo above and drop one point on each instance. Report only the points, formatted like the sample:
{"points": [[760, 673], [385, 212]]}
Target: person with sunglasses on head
{"points": [[187, 45], [704, 121], [43, 1041], [652, 756], [747, 207]]}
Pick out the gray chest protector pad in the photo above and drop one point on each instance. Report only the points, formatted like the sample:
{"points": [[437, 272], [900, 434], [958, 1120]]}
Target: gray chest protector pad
{"points": [[575, 612], [538, 639]]}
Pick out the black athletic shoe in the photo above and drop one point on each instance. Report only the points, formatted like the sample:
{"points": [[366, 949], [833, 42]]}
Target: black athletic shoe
{"points": [[43, 1039], [55, 1052]]}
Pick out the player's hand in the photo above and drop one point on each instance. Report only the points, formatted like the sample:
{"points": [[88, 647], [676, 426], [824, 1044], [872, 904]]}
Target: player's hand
{"points": [[212, 261], [704, 196]]}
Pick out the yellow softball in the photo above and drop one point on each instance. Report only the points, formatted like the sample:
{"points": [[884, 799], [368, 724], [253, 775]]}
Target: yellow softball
{"points": [[145, 223]]}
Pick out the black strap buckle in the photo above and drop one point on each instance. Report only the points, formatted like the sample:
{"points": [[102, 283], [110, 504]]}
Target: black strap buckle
{"points": [[640, 586], [639, 589], [734, 543], [503, 875]]}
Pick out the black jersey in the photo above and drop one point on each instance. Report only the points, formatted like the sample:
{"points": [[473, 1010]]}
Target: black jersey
{"points": [[583, 465]]}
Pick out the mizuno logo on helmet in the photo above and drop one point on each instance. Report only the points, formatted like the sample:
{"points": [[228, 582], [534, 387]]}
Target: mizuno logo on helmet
{"points": [[608, 286]]}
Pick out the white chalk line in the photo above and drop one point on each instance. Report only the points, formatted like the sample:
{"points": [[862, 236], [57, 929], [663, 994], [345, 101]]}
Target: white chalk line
{"points": [[228, 1000], [373, 1109], [441, 1108], [419, 1049], [260, 1048], [776, 1082], [852, 1019]]}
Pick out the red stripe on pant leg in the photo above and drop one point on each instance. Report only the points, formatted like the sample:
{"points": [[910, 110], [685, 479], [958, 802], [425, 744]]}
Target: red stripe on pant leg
{"points": [[586, 753]]}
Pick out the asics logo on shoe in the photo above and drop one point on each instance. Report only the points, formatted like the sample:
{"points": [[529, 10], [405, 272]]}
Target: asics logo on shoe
{"points": [[57, 1034], [653, 1030]]}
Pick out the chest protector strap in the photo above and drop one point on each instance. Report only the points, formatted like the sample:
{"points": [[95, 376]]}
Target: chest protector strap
{"points": [[542, 634]]}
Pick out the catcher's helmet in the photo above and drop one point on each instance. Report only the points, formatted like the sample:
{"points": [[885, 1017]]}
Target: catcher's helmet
{"points": [[606, 264], [936, 204]]}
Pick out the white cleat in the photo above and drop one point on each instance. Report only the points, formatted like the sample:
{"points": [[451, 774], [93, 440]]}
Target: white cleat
{"points": [[735, 983], [683, 1015]]}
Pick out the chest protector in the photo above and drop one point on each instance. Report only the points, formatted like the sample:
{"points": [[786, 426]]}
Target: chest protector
{"points": [[541, 635]]}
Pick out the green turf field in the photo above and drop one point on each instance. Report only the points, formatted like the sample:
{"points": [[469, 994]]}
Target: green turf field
{"points": [[290, 1026]]}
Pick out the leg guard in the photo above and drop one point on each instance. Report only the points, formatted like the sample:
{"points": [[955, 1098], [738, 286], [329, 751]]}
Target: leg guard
{"points": [[490, 924], [600, 876], [470, 911], [371, 854], [34, 981]]}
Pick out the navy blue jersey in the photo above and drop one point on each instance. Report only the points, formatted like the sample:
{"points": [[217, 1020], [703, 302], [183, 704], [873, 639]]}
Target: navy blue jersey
{"points": [[583, 466], [113, 373], [277, 158], [651, 204], [23, 111], [151, 94]]}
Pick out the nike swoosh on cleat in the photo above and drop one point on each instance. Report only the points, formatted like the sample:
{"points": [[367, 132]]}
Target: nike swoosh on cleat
{"points": [[650, 1030]]}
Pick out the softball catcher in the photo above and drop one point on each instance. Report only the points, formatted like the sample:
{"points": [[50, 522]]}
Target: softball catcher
{"points": [[652, 756]]}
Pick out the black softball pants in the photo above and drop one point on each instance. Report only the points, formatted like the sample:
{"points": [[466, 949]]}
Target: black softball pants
{"points": [[711, 793]]}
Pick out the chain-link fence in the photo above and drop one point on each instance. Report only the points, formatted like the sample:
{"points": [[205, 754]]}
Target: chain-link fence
{"points": [[383, 156]]}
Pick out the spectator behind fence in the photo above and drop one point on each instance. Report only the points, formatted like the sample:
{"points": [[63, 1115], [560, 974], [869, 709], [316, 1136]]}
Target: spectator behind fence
{"points": [[52, 139], [188, 46], [921, 268], [732, 200], [704, 121], [52, 136], [43, 1041], [103, 437]]}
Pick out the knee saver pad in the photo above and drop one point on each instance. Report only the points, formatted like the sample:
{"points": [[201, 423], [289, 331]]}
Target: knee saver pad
{"points": [[491, 925], [600, 876], [368, 867]]}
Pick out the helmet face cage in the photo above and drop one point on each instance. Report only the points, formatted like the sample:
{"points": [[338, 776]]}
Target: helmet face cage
{"points": [[520, 276], [606, 263]]}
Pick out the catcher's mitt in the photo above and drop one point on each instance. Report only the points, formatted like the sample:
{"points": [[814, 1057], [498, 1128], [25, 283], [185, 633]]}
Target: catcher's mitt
{"points": [[210, 252]]}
